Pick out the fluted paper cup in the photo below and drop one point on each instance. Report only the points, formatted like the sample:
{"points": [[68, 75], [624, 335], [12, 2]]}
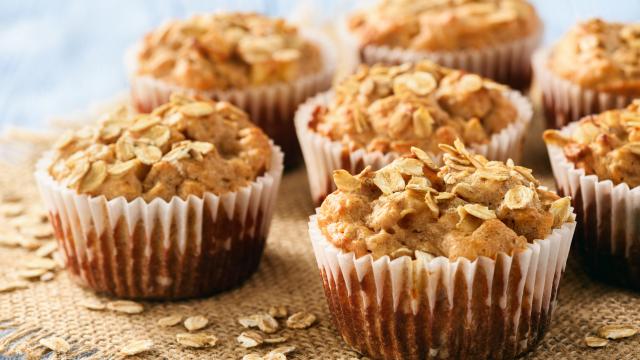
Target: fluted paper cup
{"points": [[507, 63], [564, 101], [438, 309], [608, 235], [162, 250], [322, 155], [271, 107]]}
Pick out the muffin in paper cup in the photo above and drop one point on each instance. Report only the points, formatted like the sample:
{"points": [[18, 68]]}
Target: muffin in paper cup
{"points": [[501, 52], [416, 305], [589, 78], [153, 243], [270, 91], [323, 155], [608, 233]]}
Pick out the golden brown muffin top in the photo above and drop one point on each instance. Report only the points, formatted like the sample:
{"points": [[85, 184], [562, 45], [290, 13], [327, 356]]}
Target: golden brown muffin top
{"points": [[227, 50], [392, 108], [607, 145], [600, 55], [182, 148], [470, 207], [444, 25]]}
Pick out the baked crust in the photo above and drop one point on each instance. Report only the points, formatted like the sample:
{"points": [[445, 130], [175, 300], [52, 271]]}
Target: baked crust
{"points": [[435, 25], [606, 144], [227, 50], [392, 108], [468, 208], [601, 55], [185, 147]]}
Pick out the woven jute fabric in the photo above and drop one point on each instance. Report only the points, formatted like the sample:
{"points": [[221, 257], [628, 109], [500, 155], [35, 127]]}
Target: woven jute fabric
{"points": [[288, 275]]}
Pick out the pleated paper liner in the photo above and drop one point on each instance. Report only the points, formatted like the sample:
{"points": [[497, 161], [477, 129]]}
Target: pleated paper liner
{"points": [[564, 101], [608, 233], [322, 155], [271, 107], [162, 250], [507, 63], [437, 309]]}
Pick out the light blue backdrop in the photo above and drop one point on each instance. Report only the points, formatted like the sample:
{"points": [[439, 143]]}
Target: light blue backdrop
{"points": [[56, 56]]}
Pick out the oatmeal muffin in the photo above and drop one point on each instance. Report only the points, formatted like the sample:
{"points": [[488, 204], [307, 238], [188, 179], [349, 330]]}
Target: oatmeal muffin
{"points": [[596, 162], [264, 65], [593, 68], [480, 36], [170, 204], [417, 240], [380, 112]]}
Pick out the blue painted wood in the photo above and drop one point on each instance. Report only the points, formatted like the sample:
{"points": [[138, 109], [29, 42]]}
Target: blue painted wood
{"points": [[56, 56]]}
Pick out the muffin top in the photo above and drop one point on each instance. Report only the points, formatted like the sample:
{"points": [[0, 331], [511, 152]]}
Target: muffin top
{"points": [[444, 25], [185, 147], [607, 145], [226, 50], [392, 108], [600, 55], [470, 207]]}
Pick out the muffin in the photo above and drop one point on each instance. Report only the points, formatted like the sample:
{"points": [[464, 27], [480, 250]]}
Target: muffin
{"points": [[462, 261], [596, 161], [494, 38], [380, 112], [263, 65], [593, 68], [171, 204]]}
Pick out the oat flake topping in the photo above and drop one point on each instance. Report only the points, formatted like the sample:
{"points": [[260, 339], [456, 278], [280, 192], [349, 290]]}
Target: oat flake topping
{"points": [[184, 147], [469, 207]]}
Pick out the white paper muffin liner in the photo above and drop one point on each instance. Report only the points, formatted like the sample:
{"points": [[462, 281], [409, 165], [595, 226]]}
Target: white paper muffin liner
{"points": [[271, 107], [508, 63], [608, 234], [162, 250], [564, 101], [415, 309], [322, 155]]}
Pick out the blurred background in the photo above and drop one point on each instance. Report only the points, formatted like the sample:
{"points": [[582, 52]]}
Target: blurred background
{"points": [[57, 56]]}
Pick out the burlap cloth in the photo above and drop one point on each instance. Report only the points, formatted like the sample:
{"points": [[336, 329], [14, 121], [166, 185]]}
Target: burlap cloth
{"points": [[288, 275]]}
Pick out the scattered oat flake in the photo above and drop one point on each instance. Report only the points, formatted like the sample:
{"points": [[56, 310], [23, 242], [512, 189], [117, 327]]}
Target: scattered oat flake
{"points": [[28, 243], [248, 321], [252, 356], [278, 312], [275, 356], [195, 323], [595, 341], [196, 340], [40, 263], [12, 210], [55, 344], [9, 240], [48, 276], [249, 339], [125, 306], [136, 347], [617, 331], [30, 273], [267, 324], [47, 249], [93, 304], [275, 340], [13, 285], [300, 320], [171, 320], [284, 350], [41, 231]]}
